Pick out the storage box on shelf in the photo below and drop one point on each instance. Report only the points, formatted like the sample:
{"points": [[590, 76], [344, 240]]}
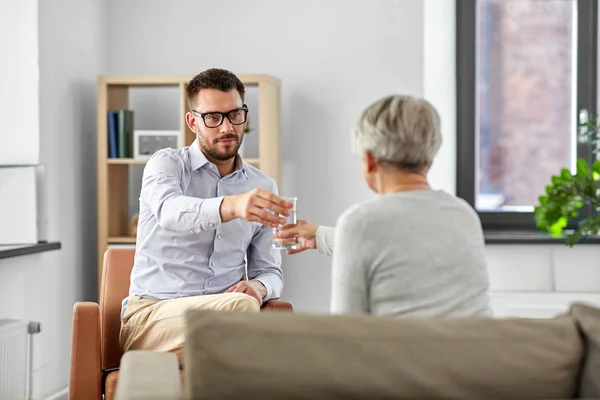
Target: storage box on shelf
{"points": [[114, 220]]}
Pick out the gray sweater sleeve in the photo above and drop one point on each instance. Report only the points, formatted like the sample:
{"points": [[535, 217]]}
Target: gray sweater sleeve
{"points": [[325, 239], [349, 268]]}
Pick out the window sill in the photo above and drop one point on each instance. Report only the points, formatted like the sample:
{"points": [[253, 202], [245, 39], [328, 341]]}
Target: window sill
{"points": [[529, 237], [9, 251]]}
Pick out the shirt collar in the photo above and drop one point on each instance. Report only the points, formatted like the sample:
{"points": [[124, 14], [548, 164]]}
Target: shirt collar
{"points": [[198, 160], [240, 165]]}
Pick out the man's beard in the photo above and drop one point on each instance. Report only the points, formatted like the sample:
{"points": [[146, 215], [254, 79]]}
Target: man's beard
{"points": [[219, 155]]}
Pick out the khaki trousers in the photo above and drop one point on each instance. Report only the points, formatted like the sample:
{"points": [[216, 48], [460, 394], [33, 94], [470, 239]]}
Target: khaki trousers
{"points": [[160, 325]]}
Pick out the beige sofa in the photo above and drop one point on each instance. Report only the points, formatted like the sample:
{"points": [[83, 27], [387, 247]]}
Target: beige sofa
{"points": [[302, 356]]}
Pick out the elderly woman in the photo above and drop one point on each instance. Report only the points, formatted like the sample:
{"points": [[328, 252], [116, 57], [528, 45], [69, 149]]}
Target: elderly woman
{"points": [[412, 250]]}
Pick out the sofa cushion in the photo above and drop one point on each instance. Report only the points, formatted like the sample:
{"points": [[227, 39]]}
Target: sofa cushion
{"points": [[230, 355], [587, 319]]}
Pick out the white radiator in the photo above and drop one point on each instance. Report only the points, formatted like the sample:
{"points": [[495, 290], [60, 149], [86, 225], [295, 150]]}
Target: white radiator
{"points": [[15, 358]]}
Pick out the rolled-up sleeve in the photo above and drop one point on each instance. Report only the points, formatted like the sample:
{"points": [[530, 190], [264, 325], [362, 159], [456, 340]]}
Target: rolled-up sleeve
{"points": [[264, 262], [161, 191]]}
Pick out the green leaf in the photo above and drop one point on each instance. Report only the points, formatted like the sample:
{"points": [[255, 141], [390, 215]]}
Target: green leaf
{"points": [[573, 238], [555, 181], [556, 229], [596, 167], [582, 167], [565, 175], [588, 189], [539, 214]]}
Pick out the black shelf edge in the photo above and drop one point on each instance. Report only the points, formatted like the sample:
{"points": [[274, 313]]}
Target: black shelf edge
{"points": [[9, 251], [530, 237]]}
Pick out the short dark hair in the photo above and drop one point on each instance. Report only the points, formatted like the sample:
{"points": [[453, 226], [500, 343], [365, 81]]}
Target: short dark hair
{"points": [[214, 78]]}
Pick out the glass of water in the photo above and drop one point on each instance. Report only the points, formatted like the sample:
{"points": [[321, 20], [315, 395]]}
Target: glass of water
{"points": [[290, 243]]}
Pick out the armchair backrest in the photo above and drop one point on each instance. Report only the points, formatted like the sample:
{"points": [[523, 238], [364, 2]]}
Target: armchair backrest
{"points": [[114, 287]]}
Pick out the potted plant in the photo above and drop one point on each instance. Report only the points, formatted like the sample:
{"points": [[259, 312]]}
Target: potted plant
{"points": [[568, 193]]}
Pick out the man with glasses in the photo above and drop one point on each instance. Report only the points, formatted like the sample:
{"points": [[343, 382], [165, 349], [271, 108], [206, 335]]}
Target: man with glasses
{"points": [[202, 211]]}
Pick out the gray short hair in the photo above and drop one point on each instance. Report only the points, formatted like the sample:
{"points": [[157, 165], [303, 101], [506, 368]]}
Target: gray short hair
{"points": [[400, 130]]}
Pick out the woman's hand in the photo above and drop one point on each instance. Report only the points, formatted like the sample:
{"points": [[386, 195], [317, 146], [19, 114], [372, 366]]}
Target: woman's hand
{"points": [[305, 234]]}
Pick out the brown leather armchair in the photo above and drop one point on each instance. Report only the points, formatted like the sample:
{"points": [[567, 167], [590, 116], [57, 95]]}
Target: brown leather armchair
{"points": [[95, 349]]}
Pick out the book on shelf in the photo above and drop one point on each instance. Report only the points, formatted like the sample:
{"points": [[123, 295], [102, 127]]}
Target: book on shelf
{"points": [[120, 134]]}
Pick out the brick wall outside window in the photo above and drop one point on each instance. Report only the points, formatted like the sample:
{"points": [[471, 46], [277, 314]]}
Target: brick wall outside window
{"points": [[525, 51]]}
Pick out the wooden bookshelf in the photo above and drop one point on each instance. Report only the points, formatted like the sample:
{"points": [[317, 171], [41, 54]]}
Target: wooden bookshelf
{"points": [[113, 173], [121, 240]]}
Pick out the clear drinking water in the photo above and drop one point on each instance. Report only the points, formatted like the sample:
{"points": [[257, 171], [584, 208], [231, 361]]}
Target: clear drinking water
{"points": [[291, 243]]}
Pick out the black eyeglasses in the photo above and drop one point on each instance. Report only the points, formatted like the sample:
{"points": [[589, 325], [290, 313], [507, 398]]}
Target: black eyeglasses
{"points": [[214, 119]]}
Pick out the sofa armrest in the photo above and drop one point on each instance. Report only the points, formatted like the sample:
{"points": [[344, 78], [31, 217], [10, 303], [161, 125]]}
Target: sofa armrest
{"points": [[86, 371], [277, 305], [148, 374]]}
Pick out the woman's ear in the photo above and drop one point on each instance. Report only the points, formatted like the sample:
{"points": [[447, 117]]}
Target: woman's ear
{"points": [[370, 162]]}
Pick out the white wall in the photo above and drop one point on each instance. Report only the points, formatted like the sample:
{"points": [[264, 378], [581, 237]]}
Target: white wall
{"points": [[439, 68], [44, 287], [19, 76], [333, 57]]}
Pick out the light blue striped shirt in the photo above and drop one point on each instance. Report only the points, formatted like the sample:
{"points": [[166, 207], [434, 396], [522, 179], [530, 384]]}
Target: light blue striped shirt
{"points": [[183, 248]]}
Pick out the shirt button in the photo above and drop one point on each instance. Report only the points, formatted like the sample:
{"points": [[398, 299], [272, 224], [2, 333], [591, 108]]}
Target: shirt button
{"points": [[212, 263], [211, 224], [220, 180], [218, 236]]}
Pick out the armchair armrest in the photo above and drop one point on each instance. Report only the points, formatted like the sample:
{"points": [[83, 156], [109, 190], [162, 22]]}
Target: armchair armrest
{"points": [[277, 305], [148, 374], [86, 370]]}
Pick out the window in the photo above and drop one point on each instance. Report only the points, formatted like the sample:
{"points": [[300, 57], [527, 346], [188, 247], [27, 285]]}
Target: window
{"points": [[524, 70]]}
